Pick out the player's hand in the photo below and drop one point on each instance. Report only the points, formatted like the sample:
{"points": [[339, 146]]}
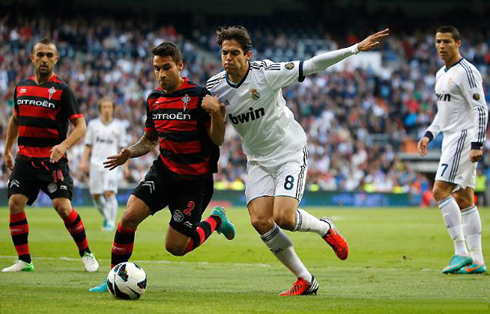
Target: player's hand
{"points": [[57, 152], [9, 161], [211, 105], [114, 161], [476, 155], [372, 41], [83, 166], [422, 146]]}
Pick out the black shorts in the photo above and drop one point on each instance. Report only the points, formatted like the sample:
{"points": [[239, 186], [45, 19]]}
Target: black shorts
{"points": [[28, 177], [186, 198]]}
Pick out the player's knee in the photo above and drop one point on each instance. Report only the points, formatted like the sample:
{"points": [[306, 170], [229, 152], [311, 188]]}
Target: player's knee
{"points": [[285, 221], [129, 220], [16, 206], [262, 224], [440, 194]]}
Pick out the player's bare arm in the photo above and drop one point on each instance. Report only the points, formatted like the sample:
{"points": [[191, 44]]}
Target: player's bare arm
{"points": [[217, 111], [84, 167], [372, 41], [144, 145], [12, 134], [422, 146], [58, 151]]}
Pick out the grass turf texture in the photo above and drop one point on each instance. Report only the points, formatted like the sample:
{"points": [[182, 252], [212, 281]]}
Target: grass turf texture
{"points": [[394, 266]]}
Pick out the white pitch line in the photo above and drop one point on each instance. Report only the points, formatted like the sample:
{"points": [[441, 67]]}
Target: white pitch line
{"points": [[70, 259]]}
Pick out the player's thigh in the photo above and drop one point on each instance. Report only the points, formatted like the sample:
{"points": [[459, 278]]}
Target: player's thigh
{"points": [[23, 181], [96, 180], [189, 201], [259, 183], [455, 165], [110, 178], [136, 211]]}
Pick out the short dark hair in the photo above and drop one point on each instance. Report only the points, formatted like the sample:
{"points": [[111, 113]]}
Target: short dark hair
{"points": [[45, 41], [450, 29], [238, 33], [168, 49]]}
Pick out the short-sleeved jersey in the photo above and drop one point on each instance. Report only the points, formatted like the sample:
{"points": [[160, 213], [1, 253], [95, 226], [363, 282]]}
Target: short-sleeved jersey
{"points": [[43, 112], [257, 110], [182, 124], [460, 102], [104, 139]]}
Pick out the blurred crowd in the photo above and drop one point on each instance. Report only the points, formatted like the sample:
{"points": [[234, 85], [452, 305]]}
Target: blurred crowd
{"points": [[357, 120]]}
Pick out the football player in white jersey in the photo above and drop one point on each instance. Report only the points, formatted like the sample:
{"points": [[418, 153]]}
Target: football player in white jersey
{"points": [[105, 137], [462, 116], [275, 144]]}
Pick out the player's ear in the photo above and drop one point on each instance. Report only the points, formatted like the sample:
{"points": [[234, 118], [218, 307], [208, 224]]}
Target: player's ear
{"points": [[180, 65], [249, 54], [458, 43]]}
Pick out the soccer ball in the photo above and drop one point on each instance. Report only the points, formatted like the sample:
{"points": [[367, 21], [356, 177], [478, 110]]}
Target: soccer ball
{"points": [[127, 281]]}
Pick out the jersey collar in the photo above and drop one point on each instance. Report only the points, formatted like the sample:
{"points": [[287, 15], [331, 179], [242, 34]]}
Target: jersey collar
{"points": [[237, 85], [447, 69]]}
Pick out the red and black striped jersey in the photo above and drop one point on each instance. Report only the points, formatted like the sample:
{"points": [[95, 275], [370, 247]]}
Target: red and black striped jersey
{"points": [[181, 124], [43, 112]]}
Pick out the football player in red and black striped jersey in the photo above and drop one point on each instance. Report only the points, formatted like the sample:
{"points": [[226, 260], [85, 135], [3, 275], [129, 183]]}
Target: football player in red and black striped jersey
{"points": [[188, 131], [44, 105]]}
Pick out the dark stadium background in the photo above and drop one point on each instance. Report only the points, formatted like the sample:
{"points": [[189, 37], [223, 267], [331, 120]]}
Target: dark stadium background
{"points": [[366, 155]]}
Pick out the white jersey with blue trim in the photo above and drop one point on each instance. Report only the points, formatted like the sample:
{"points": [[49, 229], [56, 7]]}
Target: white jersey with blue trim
{"points": [[104, 139], [461, 102], [257, 110]]}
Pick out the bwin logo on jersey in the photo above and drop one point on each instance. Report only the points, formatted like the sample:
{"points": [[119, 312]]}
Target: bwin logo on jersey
{"points": [[443, 97], [248, 116]]}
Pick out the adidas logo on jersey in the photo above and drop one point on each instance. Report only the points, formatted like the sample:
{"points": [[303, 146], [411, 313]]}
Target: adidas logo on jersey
{"points": [[443, 97], [248, 116]]}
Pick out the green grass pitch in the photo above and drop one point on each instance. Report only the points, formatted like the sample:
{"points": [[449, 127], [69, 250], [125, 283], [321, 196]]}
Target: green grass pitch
{"points": [[394, 266]]}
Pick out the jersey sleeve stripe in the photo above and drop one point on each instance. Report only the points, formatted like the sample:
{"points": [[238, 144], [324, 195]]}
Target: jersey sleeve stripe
{"points": [[75, 116], [469, 74], [481, 131], [301, 76]]}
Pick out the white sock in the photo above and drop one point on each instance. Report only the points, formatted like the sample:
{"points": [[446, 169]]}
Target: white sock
{"points": [[452, 217], [111, 210], [281, 246], [309, 223], [472, 231], [101, 204]]}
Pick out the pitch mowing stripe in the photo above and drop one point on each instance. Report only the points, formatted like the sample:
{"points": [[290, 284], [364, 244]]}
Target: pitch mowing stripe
{"points": [[70, 259]]}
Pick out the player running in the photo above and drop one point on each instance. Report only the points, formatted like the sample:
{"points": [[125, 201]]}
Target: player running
{"points": [[190, 131], [105, 137], [462, 116], [43, 106], [275, 144]]}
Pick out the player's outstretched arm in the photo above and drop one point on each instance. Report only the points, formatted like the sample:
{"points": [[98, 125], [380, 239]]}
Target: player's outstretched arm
{"points": [[140, 148]]}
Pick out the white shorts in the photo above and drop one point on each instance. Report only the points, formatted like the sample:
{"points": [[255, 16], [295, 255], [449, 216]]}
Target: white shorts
{"points": [[455, 166], [102, 180], [287, 179]]}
